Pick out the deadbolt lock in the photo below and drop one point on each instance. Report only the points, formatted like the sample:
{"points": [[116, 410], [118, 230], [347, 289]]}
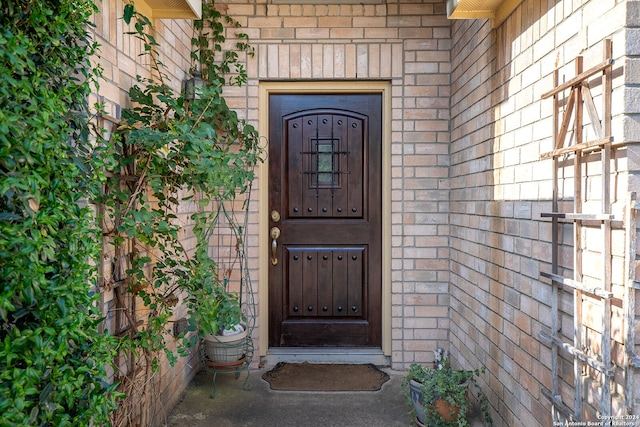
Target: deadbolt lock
{"points": [[275, 216]]}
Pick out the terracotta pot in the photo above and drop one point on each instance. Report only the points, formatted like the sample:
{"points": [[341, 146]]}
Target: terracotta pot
{"points": [[447, 411], [225, 366]]}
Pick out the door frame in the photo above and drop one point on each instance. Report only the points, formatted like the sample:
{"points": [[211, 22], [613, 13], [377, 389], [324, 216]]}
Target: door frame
{"points": [[266, 88]]}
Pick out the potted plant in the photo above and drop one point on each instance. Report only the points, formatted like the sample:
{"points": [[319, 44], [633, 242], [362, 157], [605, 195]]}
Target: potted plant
{"points": [[216, 314], [440, 394]]}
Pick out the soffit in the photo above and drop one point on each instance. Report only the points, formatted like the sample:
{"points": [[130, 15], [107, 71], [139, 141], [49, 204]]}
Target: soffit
{"points": [[495, 10], [172, 9]]}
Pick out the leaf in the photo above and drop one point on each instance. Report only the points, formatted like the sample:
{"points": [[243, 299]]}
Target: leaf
{"points": [[129, 11], [33, 416]]}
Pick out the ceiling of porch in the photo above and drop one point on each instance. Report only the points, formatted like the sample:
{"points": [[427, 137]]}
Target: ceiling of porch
{"points": [[495, 10]]}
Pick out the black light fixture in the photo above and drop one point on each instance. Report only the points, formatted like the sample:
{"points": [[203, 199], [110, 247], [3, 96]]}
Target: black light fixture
{"points": [[193, 85]]}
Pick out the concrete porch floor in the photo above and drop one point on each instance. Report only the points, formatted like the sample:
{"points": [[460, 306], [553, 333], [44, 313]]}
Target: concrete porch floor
{"points": [[263, 407]]}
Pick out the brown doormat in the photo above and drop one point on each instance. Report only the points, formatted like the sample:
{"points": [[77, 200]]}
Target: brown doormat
{"points": [[325, 377]]}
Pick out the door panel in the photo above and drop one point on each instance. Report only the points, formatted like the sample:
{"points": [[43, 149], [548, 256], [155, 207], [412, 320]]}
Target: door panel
{"points": [[325, 182], [325, 281], [325, 176]]}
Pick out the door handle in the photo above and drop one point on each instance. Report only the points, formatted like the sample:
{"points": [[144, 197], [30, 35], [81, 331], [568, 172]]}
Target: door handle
{"points": [[274, 233]]}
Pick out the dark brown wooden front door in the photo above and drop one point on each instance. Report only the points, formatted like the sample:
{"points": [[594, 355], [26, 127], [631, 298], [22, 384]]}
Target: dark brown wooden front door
{"points": [[325, 186]]}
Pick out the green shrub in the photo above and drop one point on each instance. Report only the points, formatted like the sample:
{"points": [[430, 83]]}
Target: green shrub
{"points": [[52, 354]]}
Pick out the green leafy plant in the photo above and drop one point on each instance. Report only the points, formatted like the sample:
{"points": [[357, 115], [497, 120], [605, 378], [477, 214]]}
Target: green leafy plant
{"points": [[168, 151], [53, 354], [442, 383], [212, 307]]}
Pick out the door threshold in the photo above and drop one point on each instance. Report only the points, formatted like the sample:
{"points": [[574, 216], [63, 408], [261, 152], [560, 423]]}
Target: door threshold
{"points": [[325, 355]]}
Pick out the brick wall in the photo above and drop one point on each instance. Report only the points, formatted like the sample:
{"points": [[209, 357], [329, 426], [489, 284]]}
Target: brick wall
{"points": [[629, 122], [500, 186], [408, 44], [120, 61]]}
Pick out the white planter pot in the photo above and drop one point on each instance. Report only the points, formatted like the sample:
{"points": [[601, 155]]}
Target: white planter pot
{"points": [[225, 351]]}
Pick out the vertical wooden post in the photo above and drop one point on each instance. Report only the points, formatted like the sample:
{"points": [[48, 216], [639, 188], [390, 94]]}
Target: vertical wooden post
{"points": [[629, 301], [605, 155], [555, 321], [577, 246]]}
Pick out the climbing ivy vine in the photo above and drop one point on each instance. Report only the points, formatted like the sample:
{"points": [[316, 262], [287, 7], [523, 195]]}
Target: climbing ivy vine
{"points": [[169, 151], [52, 354]]}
